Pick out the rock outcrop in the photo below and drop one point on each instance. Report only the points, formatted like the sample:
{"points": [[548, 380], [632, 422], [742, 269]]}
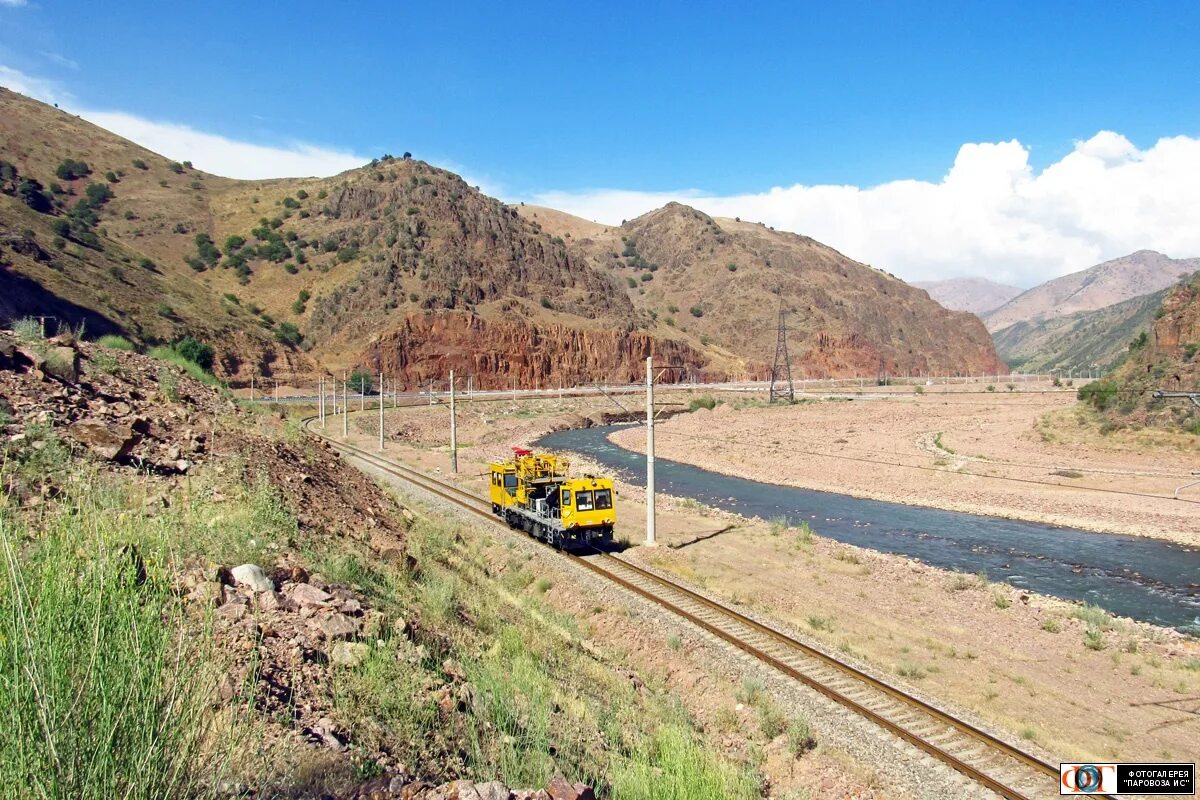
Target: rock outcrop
{"points": [[500, 354]]}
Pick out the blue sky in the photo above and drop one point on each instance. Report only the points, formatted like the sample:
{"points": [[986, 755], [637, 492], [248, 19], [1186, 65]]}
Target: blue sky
{"points": [[539, 100]]}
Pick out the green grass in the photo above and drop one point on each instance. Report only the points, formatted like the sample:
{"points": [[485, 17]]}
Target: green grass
{"points": [[673, 765], [191, 368], [1095, 617], [704, 401], [28, 329], [113, 342], [101, 692]]}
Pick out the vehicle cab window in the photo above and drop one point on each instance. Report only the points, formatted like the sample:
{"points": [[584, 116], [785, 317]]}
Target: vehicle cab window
{"points": [[510, 482], [583, 501], [566, 497], [603, 499]]}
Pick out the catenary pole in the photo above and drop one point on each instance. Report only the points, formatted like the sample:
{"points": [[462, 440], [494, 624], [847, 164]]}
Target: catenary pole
{"points": [[453, 430], [381, 396], [345, 406], [650, 532]]}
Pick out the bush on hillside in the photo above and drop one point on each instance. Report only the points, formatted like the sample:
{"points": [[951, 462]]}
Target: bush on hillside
{"points": [[31, 194], [288, 334], [1099, 394], [196, 351], [70, 170]]}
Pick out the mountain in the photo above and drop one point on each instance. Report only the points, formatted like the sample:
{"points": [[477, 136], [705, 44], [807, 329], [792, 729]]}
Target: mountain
{"points": [[1164, 358], [1134, 275], [402, 266], [976, 295], [1078, 341], [721, 283]]}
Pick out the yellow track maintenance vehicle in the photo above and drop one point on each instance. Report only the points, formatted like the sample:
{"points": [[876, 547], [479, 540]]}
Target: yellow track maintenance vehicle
{"points": [[532, 492]]}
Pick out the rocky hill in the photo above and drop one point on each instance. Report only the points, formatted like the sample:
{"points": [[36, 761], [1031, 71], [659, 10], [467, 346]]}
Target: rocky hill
{"points": [[720, 281], [1106, 284], [977, 295], [1164, 358], [288, 278], [1078, 341]]}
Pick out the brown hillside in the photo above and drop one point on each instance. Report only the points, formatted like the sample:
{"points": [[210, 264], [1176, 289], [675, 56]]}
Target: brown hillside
{"points": [[1167, 359], [1103, 285], [382, 253], [716, 280]]}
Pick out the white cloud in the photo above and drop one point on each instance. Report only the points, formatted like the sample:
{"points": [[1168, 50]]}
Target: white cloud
{"points": [[208, 151], [991, 215], [43, 89], [13, 3], [223, 156]]}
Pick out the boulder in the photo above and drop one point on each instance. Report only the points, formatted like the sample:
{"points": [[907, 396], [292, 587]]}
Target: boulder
{"points": [[338, 626], [111, 441], [349, 654], [559, 789], [207, 594], [309, 596], [493, 790], [252, 577], [62, 363]]}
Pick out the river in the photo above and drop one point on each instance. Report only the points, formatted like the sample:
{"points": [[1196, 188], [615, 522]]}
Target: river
{"points": [[1141, 578]]}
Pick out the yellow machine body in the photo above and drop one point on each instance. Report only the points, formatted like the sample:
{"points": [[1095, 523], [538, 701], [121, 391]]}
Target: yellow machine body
{"points": [[532, 491]]}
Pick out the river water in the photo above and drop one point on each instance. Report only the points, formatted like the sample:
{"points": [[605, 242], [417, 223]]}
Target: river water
{"points": [[1141, 578]]}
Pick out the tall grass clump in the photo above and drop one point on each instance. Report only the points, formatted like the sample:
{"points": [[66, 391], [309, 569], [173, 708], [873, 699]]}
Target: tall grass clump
{"points": [[100, 695], [114, 342], [171, 356], [674, 766], [705, 401], [28, 329]]}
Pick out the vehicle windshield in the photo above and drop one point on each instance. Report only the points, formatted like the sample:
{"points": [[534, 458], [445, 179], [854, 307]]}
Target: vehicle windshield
{"points": [[603, 499], [583, 501], [510, 481]]}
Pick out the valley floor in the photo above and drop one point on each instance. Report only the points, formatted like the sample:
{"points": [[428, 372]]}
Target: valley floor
{"points": [[1067, 679]]}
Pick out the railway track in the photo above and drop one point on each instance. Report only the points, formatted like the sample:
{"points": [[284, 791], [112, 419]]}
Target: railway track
{"points": [[987, 761]]}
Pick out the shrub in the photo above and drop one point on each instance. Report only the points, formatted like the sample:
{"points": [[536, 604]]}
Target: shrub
{"points": [[303, 195], [290, 202], [175, 167], [290, 269], [1139, 342], [146, 263], [360, 381], [647, 277], [31, 194], [70, 170], [110, 176], [546, 302], [801, 738], [697, 311], [197, 352], [704, 401], [632, 283], [731, 267], [288, 334], [1099, 394], [322, 194], [991, 387], [140, 164], [347, 254]]}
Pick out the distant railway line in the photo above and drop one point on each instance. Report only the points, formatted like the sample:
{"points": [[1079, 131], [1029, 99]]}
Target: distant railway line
{"points": [[983, 758]]}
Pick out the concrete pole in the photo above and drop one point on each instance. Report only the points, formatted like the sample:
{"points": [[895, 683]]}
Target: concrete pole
{"points": [[345, 406], [650, 533], [251, 388], [321, 400], [276, 391], [381, 385], [362, 392], [453, 430]]}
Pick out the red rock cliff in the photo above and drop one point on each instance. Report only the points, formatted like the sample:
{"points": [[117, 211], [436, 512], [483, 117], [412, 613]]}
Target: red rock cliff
{"points": [[500, 354]]}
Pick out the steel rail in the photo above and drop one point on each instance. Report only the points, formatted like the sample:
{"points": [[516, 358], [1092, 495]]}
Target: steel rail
{"points": [[994, 745]]}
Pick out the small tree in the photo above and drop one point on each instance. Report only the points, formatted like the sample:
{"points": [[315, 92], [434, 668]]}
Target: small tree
{"points": [[175, 167], [110, 176], [360, 381]]}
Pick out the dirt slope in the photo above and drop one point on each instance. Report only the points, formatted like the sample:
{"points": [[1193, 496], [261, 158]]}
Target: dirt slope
{"points": [[1078, 341], [289, 277], [717, 281], [1136, 274], [977, 295]]}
